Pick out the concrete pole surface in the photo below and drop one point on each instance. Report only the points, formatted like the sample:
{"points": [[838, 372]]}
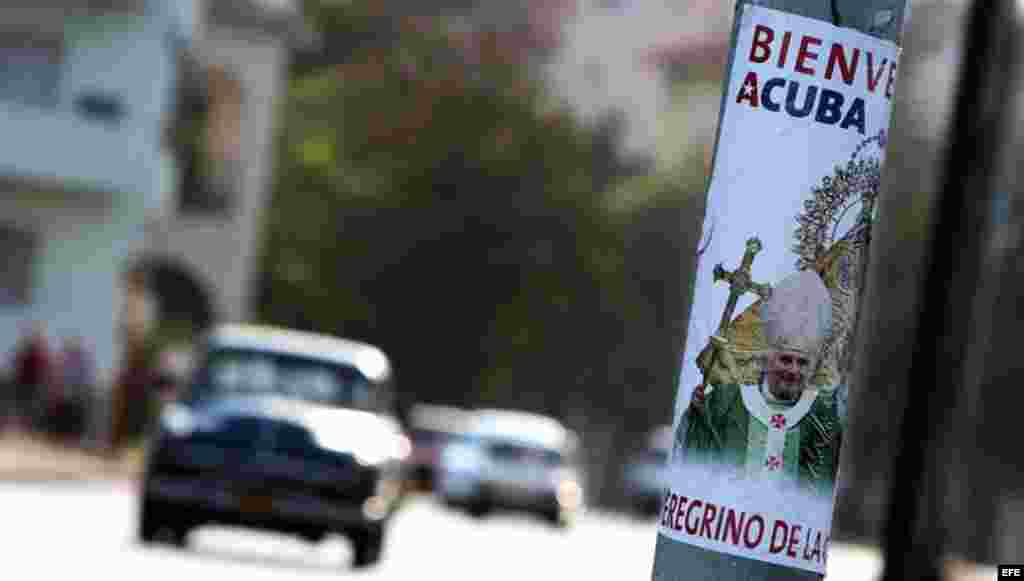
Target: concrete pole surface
{"points": [[676, 561]]}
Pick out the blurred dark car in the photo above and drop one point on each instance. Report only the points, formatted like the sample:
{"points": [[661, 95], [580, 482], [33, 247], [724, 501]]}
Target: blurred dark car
{"points": [[644, 475], [431, 429], [510, 460], [279, 430]]}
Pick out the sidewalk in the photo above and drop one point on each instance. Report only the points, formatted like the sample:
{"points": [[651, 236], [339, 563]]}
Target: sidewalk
{"points": [[25, 458]]}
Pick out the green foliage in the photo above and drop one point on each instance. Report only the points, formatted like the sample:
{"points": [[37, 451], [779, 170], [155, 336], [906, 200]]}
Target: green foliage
{"points": [[448, 214]]}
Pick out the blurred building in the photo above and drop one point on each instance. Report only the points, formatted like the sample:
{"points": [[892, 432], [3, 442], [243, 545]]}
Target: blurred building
{"points": [[527, 32], [691, 63], [85, 89], [615, 52], [202, 245], [567, 44], [649, 70], [139, 140]]}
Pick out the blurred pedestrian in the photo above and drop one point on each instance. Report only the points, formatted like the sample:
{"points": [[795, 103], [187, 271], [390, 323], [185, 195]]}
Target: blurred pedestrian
{"points": [[132, 393], [71, 391], [131, 388], [33, 372], [172, 373]]}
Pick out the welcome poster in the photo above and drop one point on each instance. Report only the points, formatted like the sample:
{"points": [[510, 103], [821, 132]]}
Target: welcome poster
{"points": [[761, 399]]}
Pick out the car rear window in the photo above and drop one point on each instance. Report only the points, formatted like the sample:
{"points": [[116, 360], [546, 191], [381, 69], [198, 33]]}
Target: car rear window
{"points": [[246, 372], [504, 451], [429, 437]]}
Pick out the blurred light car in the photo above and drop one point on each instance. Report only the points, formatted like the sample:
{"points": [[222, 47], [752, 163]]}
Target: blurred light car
{"points": [[514, 461], [431, 428], [278, 430], [645, 473]]}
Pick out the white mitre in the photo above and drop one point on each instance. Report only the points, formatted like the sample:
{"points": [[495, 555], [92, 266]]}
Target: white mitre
{"points": [[798, 314]]}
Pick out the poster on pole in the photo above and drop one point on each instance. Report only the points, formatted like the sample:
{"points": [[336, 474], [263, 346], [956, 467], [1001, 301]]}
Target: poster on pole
{"points": [[764, 379]]}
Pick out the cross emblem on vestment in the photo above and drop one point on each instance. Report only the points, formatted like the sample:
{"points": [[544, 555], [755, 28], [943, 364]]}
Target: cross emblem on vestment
{"points": [[773, 463], [778, 421]]}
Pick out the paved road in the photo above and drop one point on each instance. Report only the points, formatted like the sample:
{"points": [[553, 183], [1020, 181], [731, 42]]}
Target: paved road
{"points": [[77, 531]]}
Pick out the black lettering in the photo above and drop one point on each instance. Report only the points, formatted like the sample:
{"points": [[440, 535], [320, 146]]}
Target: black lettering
{"points": [[855, 116], [830, 107], [766, 95], [791, 95]]}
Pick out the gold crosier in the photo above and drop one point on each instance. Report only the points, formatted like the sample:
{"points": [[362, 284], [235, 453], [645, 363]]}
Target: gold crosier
{"points": [[740, 282]]}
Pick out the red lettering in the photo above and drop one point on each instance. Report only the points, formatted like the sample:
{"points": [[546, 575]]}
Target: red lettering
{"points": [[816, 553], [670, 507], [709, 517], [892, 81], [760, 532], [750, 91], [873, 78], [692, 530], [778, 542], [785, 48], [734, 528], [763, 37], [755, 90], [679, 512], [718, 525], [794, 540], [846, 68], [804, 54]]}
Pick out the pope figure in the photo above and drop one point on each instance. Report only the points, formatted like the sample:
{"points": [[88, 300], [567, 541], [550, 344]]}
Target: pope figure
{"points": [[778, 430]]}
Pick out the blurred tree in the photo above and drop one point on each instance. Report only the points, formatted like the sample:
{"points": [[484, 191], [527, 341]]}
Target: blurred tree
{"points": [[451, 214]]}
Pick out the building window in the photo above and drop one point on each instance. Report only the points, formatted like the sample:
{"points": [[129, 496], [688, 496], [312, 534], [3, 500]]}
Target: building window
{"points": [[30, 67], [594, 73], [101, 107], [208, 145], [17, 255]]}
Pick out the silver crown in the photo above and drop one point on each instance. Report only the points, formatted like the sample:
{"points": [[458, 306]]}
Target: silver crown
{"points": [[854, 184]]}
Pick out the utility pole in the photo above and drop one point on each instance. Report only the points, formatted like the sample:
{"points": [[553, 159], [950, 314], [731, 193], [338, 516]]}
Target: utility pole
{"points": [[768, 358], [916, 531]]}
